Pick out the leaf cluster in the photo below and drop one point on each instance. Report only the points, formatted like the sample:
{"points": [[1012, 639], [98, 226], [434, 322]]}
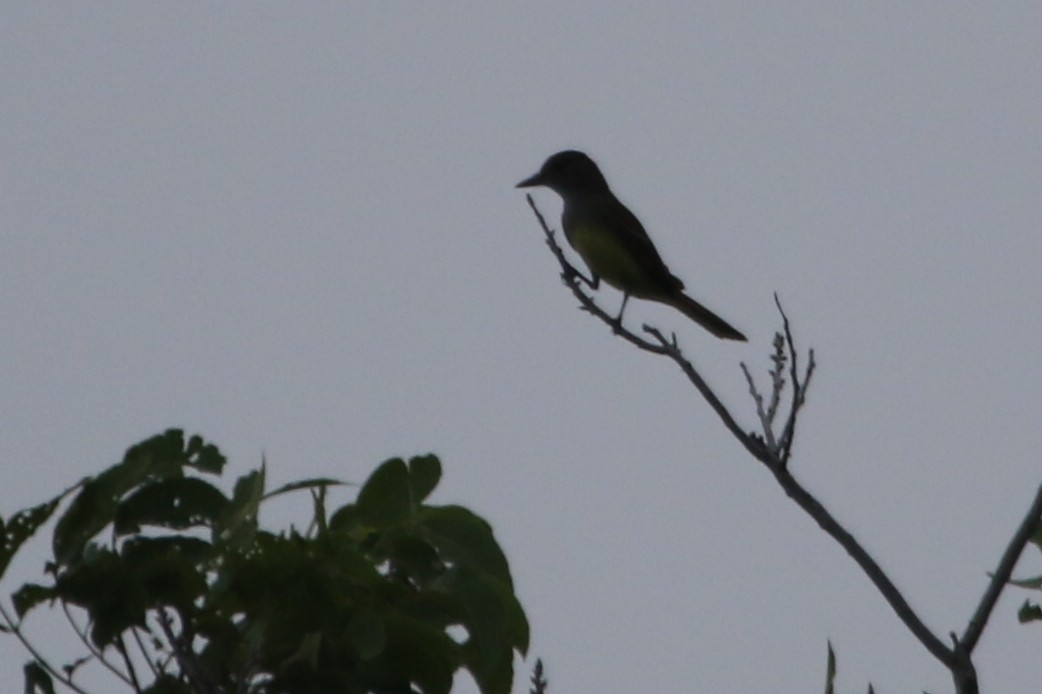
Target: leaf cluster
{"points": [[185, 591]]}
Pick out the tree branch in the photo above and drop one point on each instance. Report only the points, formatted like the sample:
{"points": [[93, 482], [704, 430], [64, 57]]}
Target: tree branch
{"points": [[1002, 574], [774, 451]]}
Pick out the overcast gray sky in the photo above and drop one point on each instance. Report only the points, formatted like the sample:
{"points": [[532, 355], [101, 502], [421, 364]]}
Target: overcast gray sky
{"points": [[293, 229]]}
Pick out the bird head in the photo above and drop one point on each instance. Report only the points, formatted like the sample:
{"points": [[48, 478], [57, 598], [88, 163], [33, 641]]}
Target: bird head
{"points": [[568, 172]]}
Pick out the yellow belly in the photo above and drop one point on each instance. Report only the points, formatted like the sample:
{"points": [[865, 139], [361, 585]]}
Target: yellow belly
{"points": [[614, 262]]}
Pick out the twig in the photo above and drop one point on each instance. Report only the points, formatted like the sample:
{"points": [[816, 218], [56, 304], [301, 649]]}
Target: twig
{"points": [[186, 659], [15, 628], [753, 444], [777, 372], [136, 632], [765, 418], [81, 632], [799, 391], [121, 646]]}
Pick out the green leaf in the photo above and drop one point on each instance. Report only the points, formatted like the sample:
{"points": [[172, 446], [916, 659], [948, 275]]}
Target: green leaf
{"points": [[464, 538], [168, 684], [317, 482], [1030, 583], [238, 523], [419, 653], [204, 457], [424, 473], [496, 624], [168, 568], [386, 498], [95, 506], [23, 525], [178, 503], [109, 590], [37, 679], [1029, 612], [367, 634], [413, 557], [830, 670], [29, 596]]}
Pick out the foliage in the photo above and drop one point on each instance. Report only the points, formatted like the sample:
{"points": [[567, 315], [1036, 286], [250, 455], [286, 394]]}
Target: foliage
{"points": [[185, 591]]}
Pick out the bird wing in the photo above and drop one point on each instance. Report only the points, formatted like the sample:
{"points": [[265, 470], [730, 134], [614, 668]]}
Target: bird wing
{"points": [[631, 234]]}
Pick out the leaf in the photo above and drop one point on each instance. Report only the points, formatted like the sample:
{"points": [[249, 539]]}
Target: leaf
{"points": [[168, 684], [29, 596], [110, 592], [93, 509], [1031, 583], [419, 652], [178, 503], [170, 570], [1029, 612], [37, 679], [307, 484], [367, 634], [204, 457], [496, 623], [157, 458], [417, 559], [464, 538], [238, 523], [830, 670], [424, 473], [386, 498], [23, 525]]}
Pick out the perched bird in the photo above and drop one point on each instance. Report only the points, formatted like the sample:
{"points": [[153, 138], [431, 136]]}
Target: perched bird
{"points": [[612, 242]]}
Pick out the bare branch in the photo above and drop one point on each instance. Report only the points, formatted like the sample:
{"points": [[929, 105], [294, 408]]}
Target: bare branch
{"points": [[1002, 574], [772, 451], [805, 500]]}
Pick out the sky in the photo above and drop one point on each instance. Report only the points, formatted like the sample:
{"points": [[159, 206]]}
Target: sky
{"points": [[293, 229]]}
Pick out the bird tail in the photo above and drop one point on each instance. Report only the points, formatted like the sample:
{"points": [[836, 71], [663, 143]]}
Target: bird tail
{"points": [[704, 317]]}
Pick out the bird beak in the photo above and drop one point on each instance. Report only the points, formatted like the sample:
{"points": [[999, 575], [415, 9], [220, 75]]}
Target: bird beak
{"points": [[536, 180]]}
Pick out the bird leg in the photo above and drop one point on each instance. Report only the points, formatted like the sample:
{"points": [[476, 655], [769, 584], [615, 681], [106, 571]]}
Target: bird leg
{"points": [[573, 271], [618, 318]]}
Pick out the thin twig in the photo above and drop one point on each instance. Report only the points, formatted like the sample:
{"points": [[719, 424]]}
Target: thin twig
{"points": [[145, 653], [765, 419], [754, 445], [777, 374], [81, 632], [799, 390], [121, 646], [186, 658], [15, 628]]}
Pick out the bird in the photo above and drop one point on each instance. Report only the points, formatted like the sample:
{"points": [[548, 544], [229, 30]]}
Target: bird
{"points": [[613, 243]]}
